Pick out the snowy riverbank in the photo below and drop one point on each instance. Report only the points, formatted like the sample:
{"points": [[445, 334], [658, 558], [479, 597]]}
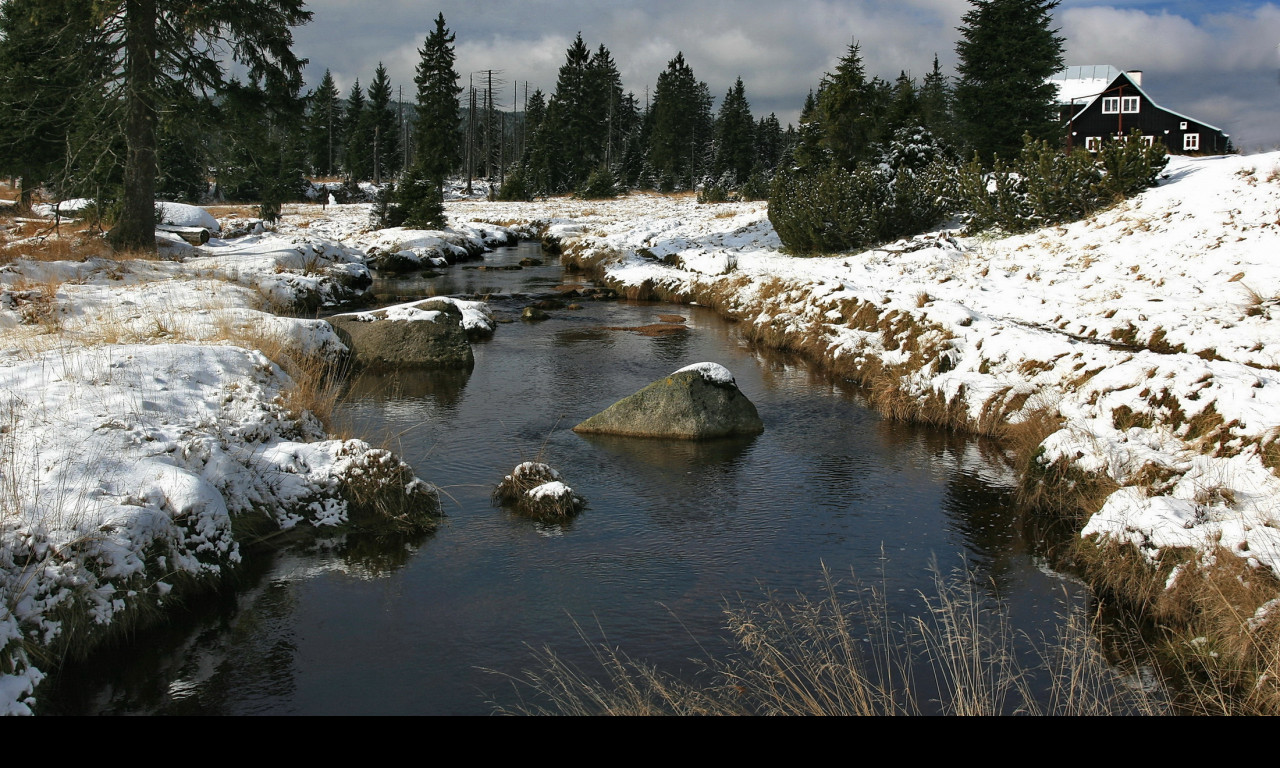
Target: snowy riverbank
{"points": [[1143, 335], [152, 414]]}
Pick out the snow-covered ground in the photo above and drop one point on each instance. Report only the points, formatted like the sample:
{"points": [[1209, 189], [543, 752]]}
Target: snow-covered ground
{"points": [[139, 416]]}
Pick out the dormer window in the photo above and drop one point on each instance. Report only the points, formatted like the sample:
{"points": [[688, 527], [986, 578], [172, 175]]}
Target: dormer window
{"points": [[1129, 104]]}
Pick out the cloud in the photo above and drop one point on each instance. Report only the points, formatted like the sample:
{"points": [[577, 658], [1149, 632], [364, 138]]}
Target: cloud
{"points": [[782, 49]]}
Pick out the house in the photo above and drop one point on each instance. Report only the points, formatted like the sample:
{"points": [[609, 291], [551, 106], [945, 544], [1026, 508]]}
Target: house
{"points": [[1101, 102]]}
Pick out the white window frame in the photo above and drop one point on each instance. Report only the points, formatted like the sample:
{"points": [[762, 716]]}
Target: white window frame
{"points": [[1110, 105], [1148, 141], [1130, 104], [1092, 143], [1190, 142]]}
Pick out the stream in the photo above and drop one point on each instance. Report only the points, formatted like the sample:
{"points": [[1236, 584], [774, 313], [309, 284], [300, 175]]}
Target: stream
{"points": [[672, 531]]}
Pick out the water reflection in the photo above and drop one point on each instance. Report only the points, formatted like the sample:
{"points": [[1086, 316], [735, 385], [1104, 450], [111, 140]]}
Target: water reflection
{"points": [[441, 389]]}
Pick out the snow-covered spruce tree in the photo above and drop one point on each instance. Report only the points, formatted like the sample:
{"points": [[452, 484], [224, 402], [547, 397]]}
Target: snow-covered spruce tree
{"points": [[159, 46], [1007, 50]]}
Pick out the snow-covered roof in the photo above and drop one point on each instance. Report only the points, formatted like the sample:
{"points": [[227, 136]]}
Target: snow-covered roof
{"points": [[1081, 83]]}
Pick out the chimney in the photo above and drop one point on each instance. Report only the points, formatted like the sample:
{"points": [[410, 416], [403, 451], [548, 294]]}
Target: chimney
{"points": [[1136, 76]]}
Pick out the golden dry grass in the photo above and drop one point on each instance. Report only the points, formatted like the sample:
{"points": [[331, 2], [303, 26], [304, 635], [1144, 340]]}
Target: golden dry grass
{"points": [[845, 654]]}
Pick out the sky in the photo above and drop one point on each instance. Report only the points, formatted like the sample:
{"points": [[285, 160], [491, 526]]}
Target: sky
{"points": [[1215, 60]]}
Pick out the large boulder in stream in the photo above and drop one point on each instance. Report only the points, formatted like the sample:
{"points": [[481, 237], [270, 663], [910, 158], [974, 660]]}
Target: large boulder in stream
{"points": [[428, 334], [698, 402]]}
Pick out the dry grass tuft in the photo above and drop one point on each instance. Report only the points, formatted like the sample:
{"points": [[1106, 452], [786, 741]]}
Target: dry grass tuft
{"points": [[844, 654], [1213, 616], [1063, 489], [317, 380]]}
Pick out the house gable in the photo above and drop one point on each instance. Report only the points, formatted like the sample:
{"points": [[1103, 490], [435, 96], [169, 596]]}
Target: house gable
{"points": [[1122, 106]]}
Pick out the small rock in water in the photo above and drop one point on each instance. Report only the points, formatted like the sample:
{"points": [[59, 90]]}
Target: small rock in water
{"points": [[537, 489]]}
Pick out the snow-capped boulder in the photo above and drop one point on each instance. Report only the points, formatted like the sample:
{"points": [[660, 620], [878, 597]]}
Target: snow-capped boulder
{"points": [[183, 215], [698, 402], [428, 334]]}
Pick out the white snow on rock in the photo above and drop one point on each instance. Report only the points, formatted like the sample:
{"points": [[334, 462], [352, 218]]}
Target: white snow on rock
{"points": [[475, 314], [712, 372], [183, 215]]}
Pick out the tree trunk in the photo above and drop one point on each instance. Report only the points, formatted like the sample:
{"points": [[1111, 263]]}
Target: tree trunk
{"points": [[136, 228]]}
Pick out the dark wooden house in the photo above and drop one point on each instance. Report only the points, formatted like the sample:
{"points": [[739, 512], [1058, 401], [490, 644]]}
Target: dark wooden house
{"points": [[1097, 103]]}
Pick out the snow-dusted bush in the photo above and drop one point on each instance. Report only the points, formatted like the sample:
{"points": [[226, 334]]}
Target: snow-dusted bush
{"points": [[1045, 185], [838, 210], [599, 185]]}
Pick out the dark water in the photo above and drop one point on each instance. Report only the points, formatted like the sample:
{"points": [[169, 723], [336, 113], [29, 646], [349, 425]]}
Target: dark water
{"points": [[673, 530]]}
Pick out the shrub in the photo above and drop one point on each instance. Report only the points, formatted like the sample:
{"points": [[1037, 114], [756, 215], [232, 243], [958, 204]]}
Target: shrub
{"points": [[756, 187], [599, 185], [515, 188], [1130, 166], [837, 210], [1044, 185]]}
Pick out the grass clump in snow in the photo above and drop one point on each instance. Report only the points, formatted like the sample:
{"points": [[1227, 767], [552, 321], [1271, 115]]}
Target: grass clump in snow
{"points": [[538, 490], [1212, 621], [844, 654], [383, 494]]}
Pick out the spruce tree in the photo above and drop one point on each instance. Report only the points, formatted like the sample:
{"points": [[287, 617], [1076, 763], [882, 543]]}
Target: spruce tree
{"points": [[324, 127], [849, 111], [735, 151], [160, 46], [436, 153], [768, 143], [935, 104], [808, 152], [605, 118], [420, 195], [41, 94], [574, 120], [384, 126], [681, 124], [1007, 50], [357, 144]]}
